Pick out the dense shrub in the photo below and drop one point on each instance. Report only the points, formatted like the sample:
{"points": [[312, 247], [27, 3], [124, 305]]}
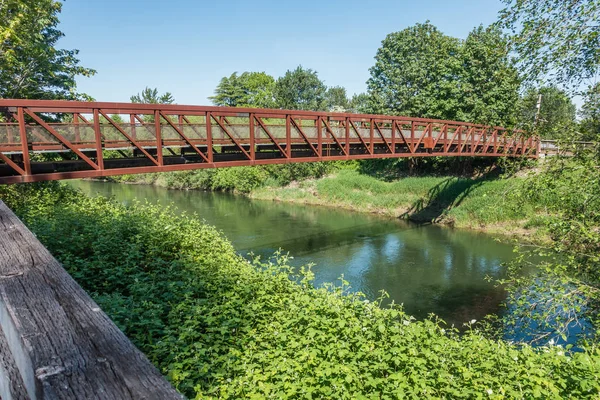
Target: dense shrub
{"points": [[220, 326], [566, 192]]}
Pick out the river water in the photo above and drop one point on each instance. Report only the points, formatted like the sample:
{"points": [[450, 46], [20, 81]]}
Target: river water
{"points": [[428, 268]]}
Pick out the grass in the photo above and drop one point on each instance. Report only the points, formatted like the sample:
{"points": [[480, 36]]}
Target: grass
{"points": [[483, 203]]}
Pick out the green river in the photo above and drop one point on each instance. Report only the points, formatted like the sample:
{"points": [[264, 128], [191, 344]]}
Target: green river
{"points": [[428, 268]]}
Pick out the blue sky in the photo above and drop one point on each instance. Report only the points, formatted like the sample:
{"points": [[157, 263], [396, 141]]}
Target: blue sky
{"points": [[186, 46]]}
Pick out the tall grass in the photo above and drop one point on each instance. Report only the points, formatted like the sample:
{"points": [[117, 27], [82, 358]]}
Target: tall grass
{"points": [[462, 202]]}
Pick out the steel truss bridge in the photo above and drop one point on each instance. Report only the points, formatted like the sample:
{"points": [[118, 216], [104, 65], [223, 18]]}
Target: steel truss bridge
{"points": [[44, 140]]}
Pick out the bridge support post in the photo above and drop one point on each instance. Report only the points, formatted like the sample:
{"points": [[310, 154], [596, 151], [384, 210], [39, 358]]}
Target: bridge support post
{"points": [[159, 142], [24, 141]]}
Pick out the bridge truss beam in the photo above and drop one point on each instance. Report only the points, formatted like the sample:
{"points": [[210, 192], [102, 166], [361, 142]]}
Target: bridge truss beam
{"points": [[49, 140]]}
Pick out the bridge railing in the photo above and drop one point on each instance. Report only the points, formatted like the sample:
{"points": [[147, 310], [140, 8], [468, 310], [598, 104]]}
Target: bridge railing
{"points": [[44, 140], [550, 147]]}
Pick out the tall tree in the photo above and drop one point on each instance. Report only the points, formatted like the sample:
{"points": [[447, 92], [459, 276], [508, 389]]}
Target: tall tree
{"points": [[31, 67], [415, 74], [301, 89], [557, 40], [590, 114], [488, 83], [337, 99], [556, 117], [250, 89], [151, 96]]}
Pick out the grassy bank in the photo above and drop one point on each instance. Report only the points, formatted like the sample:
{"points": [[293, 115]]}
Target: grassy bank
{"points": [[219, 326], [484, 203], [240, 179]]}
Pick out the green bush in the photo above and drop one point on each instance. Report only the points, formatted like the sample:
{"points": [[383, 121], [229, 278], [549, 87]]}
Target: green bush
{"points": [[565, 195], [222, 327], [234, 179]]}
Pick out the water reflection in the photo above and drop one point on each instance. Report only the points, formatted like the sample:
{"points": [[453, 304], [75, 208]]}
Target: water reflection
{"points": [[428, 268]]}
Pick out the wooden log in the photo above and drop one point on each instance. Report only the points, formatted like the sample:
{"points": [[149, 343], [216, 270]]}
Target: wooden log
{"points": [[62, 344], [11, 383]]}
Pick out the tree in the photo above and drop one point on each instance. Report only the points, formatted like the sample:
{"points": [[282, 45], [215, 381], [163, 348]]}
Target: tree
{"points": [[300, 89], [250, 89], [421, 72], [336, 99], [590, 114], [415, 74], [360, 104], [151, 96], [489, 83], [31, 67], [557, 112], [556, 40]]}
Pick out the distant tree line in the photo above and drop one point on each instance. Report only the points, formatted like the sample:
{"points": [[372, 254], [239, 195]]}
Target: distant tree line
{"points": [[421, 72]]}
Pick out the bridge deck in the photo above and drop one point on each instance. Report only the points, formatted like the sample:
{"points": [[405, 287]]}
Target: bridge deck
{"points": [[101, 139]]}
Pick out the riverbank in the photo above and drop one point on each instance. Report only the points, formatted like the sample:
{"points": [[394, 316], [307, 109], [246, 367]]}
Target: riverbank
{"points": [[482, 204], [219, 326]]}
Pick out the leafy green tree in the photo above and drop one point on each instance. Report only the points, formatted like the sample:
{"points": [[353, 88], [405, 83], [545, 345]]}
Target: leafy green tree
{"points": [[31, 67], [301, 89], [590, 114], [250, 89], [421, 72], [489, 83], [556, 118], [556, 40], [360, 104], [151, 96], [337, 99], [415, 74]]}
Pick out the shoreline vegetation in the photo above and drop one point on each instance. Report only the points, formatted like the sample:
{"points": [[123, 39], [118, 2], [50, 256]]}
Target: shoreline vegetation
{"points": [[475, 201], [220, 326]]}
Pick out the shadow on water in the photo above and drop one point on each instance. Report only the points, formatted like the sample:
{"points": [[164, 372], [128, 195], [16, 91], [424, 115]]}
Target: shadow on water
{"points": [[445, 195]]}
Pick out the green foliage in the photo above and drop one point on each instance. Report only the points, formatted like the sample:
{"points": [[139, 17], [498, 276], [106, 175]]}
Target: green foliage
{"points": [[233, 179], [489, 83], [421, 72], [301, 89], [151, 96], [221, 327], [360, 104], [250, 89], [556, 40], [590, 114], [415, 73], [31, 67], [459, 201], [557, 113], [336, 99], [566, 191]]}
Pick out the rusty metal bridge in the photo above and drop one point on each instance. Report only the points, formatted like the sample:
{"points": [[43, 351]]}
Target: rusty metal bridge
{"points": [[48, 140]]}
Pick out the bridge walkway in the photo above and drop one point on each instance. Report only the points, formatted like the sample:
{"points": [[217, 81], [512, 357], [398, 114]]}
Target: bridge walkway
{"points": [[101, 139]]}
